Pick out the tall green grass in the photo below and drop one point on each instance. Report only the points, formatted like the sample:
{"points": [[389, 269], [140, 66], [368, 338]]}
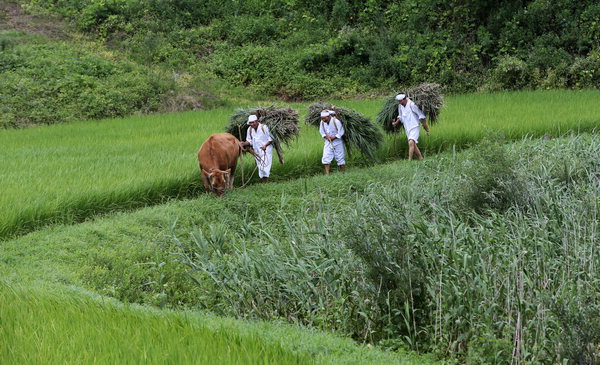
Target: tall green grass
{"points": [[67, 173], [414, 261]]}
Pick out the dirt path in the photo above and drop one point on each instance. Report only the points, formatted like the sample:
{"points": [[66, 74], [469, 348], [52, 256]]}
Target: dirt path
{"points": [[12, 17]]}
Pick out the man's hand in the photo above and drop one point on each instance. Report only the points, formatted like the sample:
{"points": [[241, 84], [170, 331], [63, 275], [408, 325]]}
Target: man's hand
{"points": [[424, 122], [264, 148]]}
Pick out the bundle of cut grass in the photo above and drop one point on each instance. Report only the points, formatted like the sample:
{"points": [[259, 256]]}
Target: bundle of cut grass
{"points": [[428, 98], [360, 132], [282, 123]]}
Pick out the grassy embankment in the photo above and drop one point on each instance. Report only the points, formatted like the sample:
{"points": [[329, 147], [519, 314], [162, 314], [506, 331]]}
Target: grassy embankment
{"points": [[68, 173]]}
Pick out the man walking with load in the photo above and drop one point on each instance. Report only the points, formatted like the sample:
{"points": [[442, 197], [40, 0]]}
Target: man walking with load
{"points": [[259, 137], [331, 130], [411, 117]]}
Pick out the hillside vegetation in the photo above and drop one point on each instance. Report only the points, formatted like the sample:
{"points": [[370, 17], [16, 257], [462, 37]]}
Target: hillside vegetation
{"points": [[195, 52]]}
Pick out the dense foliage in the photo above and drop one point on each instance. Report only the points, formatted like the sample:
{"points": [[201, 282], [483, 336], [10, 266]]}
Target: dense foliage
{"points": [[45, 83], [187, 55], [305, 49]]}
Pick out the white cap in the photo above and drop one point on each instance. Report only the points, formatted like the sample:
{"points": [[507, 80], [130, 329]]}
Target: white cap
{"points": [[252, 118], [331, 112], [325, 113], [400, 96]]}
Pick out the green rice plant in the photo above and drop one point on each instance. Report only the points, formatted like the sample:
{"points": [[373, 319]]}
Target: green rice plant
{"points": [[53, 324], [51, 327], [69, 173], [360, 132]]}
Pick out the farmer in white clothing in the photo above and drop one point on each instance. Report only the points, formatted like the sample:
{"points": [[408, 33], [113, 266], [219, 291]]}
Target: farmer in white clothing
{"points": [[261, 140], [411, 117], [331, 130]]}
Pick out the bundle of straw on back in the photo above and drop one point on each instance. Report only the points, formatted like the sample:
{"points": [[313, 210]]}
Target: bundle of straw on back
{"points": [[360, 132], [428, 98], [282, 123]]}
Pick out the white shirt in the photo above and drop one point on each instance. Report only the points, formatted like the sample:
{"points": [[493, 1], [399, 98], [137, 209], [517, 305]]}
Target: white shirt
{"points": [[410, 115], [259, 137], [332, 129]]}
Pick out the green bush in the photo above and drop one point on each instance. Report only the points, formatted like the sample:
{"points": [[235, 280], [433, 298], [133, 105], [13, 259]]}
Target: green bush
{"points": [[584, 72], [55, 82], [510, 73], [487, 350]]}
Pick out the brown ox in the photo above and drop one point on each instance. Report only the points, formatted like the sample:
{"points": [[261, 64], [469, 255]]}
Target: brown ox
{"points": [[218, 158]]}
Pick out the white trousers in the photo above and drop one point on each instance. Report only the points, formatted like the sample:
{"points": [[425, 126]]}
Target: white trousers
{"points": [[265, 161], [333, 150], [414, 134]]}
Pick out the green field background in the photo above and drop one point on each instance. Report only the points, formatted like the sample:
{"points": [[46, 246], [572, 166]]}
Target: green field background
{"points": [[67, 173]]}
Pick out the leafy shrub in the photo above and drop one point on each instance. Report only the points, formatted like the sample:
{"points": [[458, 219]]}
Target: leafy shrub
{"points": [[53, 83], [486, 350], [254, 29], [510, 73], [584, 72]]}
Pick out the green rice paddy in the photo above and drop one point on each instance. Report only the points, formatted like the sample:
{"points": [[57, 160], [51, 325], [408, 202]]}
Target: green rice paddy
{"points": [[68, 173]]}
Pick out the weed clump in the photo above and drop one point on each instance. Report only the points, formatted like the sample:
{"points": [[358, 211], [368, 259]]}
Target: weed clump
{"points": [[490, 181]]}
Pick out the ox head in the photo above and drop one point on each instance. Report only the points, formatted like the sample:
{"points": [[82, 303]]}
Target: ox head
{"points": [[218, 180]]}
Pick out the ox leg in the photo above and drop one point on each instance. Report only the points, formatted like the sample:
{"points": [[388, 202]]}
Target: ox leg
{"points": [[232, 177], [205, 182]]}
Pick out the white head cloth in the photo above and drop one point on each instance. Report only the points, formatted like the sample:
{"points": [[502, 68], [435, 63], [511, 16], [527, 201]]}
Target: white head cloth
{"points": [[252, 118], [325, 113], [400, 96], [331, 112]]}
